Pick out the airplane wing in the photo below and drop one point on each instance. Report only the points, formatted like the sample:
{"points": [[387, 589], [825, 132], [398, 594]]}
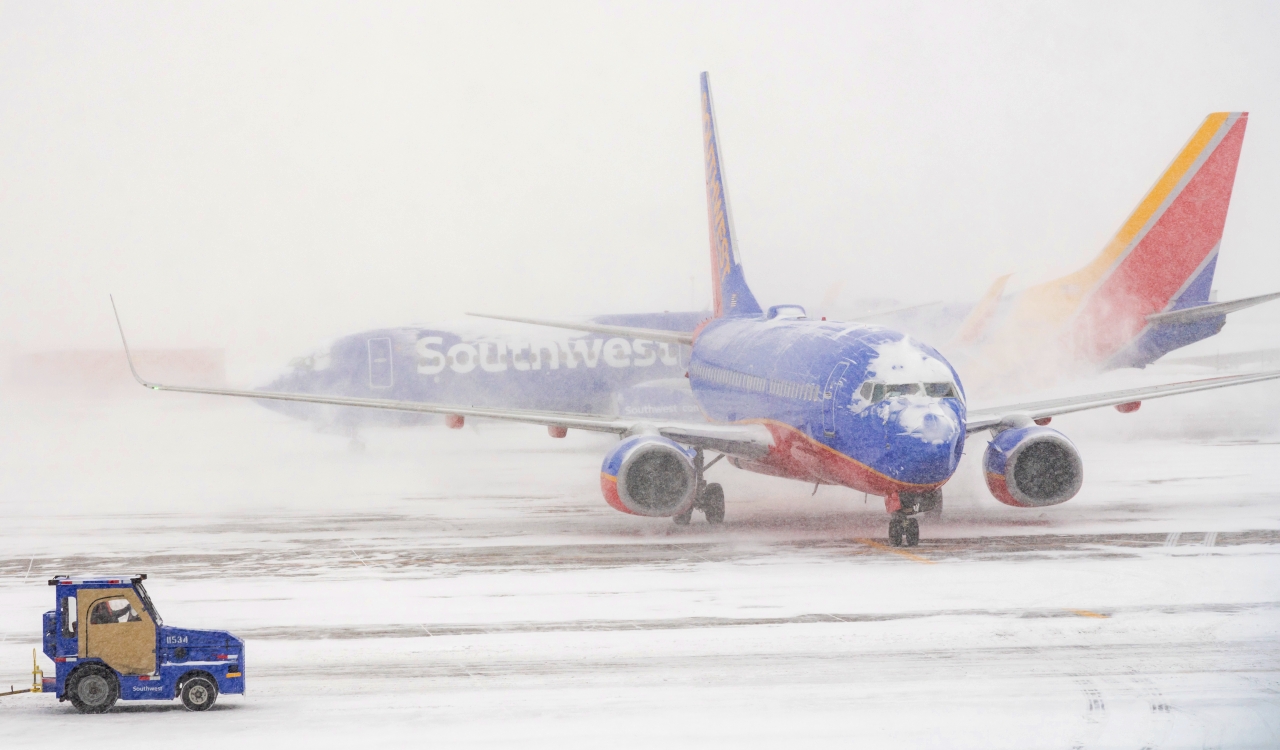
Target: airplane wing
{"points": [[652, 334], [1018, 414], [750, 441]]}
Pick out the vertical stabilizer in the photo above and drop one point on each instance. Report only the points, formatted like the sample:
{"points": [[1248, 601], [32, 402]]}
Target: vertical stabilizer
{"points": [[731, 295], [980, 316], [1161, 259]]}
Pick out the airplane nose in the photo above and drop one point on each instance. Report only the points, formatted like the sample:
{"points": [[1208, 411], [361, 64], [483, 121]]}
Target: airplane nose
{"points": [[934, 424], [925, 443]]}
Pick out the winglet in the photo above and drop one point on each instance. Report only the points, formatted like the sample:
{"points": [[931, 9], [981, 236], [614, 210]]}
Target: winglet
{"points": [[127, 355]]}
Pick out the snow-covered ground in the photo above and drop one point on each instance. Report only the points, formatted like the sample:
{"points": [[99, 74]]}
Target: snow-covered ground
{"points": [[471, 587]]}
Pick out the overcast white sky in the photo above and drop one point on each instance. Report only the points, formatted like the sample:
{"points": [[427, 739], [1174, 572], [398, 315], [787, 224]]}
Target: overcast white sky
{"points": [[262, 176]]}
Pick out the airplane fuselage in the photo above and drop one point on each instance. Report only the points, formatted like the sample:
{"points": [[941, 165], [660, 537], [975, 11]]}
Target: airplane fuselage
{"points": [[853, 405], [480, 365]]}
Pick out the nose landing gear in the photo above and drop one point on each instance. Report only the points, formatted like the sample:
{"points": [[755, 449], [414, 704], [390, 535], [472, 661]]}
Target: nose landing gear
{"points": [[904, 529]]}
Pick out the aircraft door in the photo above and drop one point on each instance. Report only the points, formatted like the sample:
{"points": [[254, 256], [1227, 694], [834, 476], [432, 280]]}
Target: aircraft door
{"points": [[830, 396], [380, 363], [116, 628]]}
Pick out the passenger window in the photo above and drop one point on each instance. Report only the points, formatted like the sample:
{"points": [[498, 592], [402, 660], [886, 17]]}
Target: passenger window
{"points": [[902, 389], [68, 615], [111, 611], [940, 390], [866, 390], [877, 393]]}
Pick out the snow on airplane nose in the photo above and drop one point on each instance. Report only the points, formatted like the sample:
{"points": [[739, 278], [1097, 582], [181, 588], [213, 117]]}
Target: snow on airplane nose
{"points": [[924, 441]]}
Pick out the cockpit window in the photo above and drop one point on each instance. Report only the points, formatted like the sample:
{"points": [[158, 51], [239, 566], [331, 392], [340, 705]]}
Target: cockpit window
{"points": [[940, 390], [876, 392]]}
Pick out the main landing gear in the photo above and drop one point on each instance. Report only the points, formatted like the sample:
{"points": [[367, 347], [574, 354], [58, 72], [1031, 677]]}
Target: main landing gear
{"points": [[709, 498], [904, 529]]}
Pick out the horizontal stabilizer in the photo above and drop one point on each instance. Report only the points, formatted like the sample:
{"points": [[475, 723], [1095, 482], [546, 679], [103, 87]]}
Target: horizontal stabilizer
{"points": [[652, 334], [1212, 310]]}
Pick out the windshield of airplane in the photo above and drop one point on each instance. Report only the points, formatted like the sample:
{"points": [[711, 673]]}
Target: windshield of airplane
{"points": [[876, 392]]}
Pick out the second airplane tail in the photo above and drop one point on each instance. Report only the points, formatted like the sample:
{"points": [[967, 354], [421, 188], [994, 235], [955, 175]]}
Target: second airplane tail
{"points": [[1162, 259]]}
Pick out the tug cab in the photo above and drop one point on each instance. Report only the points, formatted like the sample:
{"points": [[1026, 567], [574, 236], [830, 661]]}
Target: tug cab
{"points": [[109, 643]]}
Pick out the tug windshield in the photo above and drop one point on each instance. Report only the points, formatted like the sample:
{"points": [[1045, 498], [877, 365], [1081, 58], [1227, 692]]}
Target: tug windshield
{"points": [[146, 602]]}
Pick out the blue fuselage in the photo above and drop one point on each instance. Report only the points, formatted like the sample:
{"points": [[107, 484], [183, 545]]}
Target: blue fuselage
{"points": [[856, 405], [480, 364]]}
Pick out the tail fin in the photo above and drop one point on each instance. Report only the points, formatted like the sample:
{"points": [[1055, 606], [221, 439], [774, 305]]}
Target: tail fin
{"points": [[729, 287], [1162, 258], [976, 322]]}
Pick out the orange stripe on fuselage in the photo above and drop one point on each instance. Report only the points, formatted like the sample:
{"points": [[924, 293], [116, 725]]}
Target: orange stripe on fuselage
{"points": [[831, 465]]}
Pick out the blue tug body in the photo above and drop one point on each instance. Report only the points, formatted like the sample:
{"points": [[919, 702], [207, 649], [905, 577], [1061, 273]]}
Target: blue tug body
{"points": [[109, 643]]}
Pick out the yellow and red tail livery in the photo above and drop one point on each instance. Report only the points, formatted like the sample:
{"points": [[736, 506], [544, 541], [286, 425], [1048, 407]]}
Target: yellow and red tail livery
{"points": [[1161, 259]]}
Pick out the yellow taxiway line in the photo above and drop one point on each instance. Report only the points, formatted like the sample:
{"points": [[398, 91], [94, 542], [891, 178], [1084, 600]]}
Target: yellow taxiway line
{"points": [[1087, 613], [897, 551]]}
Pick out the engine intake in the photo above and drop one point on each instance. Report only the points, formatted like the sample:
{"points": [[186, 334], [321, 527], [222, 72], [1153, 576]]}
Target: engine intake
{"points": [[1031, 467], [647, 475]]}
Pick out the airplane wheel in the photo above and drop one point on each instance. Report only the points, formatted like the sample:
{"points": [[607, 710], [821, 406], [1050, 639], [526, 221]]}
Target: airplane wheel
{"points": [[713, 503], [682, 519], [94, 689], [895, 532], [199, 693], [912, 532]]}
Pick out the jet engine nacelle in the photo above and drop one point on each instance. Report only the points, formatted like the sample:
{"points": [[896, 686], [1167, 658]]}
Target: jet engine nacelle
{"points": [[648, 475], [1031, 467]]}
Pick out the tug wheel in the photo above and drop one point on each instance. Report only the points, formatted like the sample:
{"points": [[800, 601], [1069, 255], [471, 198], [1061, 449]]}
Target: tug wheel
{"points": [[93, 689], [713, 503], [199, 693]]}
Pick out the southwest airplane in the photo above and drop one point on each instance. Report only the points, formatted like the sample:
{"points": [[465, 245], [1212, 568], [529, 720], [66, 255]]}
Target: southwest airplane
{"points": [[478, 363], [865, 406], [1158, 274]]}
